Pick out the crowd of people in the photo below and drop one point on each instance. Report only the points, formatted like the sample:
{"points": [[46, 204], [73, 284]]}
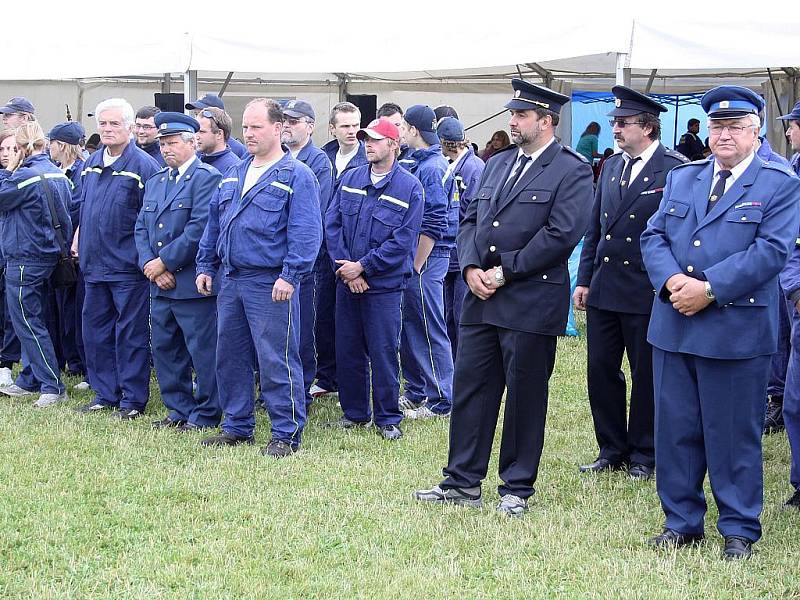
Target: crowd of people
{"points": [[274, 272]]}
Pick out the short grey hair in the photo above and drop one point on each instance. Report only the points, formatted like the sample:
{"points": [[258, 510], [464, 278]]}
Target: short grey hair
{"points": [[128, 115]]}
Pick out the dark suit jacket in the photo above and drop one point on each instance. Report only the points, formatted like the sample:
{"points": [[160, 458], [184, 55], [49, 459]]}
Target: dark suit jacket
{"points": [[531, 232], [611, 261]]}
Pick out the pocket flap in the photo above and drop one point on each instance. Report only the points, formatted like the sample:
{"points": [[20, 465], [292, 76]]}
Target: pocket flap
{"points": [[750, 215], [676, 209], [535, 196]]}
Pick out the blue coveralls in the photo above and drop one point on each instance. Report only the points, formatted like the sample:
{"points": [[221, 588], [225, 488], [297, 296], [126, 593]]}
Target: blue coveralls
{"points": [[115, 311], [183, 323], [154, 150], [316, 160], [710, 370], [238, 148], [272, 231], [460, 187], [378, 226], [31, 251], [426, 356], [325, 325], [222, 160], [10, 351]]}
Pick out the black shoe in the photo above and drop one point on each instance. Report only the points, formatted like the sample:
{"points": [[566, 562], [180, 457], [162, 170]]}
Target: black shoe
{"points": [[227, 439], [279, 449], [345, 423], [737, 547], [94, 407], [188, 426], [602, 464], [794, 501], [773, 421], [669, 538], [167, 422], [126, 414], [637, 471], [389, 432]]}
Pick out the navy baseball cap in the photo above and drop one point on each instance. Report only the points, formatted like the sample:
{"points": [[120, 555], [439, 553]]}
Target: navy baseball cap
{"points": [[17, 104], [424, 119], [628, 102], [70, 132], [731, 102], [205, 102], [792, 116], [172, 123], [298, 109], [443, 110], [450, 129], [528, 96]]}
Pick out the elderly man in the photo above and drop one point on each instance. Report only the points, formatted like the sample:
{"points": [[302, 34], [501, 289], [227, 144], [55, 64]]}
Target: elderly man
{"points": [[614, 290], [146, 133], [182, 321], [713, 251], [17, 111], [263, 235], [115, 311], [214, 101], [213, 137], [532, 208]]}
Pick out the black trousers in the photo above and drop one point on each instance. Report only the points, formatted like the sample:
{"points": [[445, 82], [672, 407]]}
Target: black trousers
{"points": [[621, 438], [491, 359]]}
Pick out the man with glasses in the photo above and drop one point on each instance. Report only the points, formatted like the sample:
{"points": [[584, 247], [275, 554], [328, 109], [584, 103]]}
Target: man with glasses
{"points": [[213, 137], [713, 251], [145, 131], [614, 290], [16, 111]]}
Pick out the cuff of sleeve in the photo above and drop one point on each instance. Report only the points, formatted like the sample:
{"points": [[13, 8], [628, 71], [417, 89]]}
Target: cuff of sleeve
{"points": [[507, 261], [290, 277], [145, 260], [206, 270], [434, 234], [166, 263], [368, 267]]}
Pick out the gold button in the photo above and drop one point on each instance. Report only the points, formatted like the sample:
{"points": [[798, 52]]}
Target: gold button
{"points": [[492, 248], [160, 225], [625, 262], [696, 243], [159, 244], [690, 269], [605, 259], [633, 216], [496, 224], [608, 237], [752, 300], [544, 276], [628, 240]]}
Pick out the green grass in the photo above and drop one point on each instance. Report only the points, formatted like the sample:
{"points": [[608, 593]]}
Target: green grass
{"points": [[91, 508]]}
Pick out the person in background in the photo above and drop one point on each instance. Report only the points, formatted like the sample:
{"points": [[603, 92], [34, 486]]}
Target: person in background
{"points": [[145, 130], [17, 111], [499, 141], [213, 137], [214, 101], [588, 143], [10, 351], [690, 144]]}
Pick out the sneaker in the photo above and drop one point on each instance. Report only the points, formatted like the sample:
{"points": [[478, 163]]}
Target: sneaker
{"points": [[279, 449], [227, 439], [391, 433], [404, 403], [167, 423], [6, 378], [461, 496], [317, 391], [83, 386], [423, 412], [14, 390], [126, 414], [773, 422], [345, 423], [512, 506], [94, 407], [50, 399], [794, 501]]}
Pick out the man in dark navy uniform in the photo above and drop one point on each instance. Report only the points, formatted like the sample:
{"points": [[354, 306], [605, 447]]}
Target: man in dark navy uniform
{"points": [[614, 290], [690, 144], [532, 208], [713, 251]]}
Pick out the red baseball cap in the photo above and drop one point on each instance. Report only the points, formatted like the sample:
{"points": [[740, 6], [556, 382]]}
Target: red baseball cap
{"points": [[379, 129]]}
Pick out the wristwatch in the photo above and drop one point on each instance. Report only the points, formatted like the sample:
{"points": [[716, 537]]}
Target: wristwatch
{"points": [[498, 276], [709, 294]]}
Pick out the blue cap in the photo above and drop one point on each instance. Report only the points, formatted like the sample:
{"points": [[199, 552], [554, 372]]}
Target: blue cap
{"points": [[298, 109], [528, 96], [792, 116], [424, 119], [628, 102], [731, 102], [171, 123], [205, 102], [70, 132], [17, 104], [450, 129]]}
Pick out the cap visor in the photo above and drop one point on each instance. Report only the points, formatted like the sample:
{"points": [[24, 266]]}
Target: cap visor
{"points": [[295, 115], [729, 114], [624, 112], [6, 110], [195, 105], [362, 133]]}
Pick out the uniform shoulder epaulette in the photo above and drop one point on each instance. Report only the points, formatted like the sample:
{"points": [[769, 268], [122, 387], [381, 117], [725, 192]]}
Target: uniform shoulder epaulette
{"points": [[163, 171], [694, 163], [676, 155], [205, 167], [779, 167], [577, 155]]}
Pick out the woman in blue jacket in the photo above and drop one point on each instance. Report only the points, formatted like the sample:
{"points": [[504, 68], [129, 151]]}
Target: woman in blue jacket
{"points": [[31, 250]]}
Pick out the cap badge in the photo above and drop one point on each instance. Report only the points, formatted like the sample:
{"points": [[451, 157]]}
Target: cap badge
{"points": [[516, 94], [291, 104], [163, 126], [617, 102], [724, 104]]}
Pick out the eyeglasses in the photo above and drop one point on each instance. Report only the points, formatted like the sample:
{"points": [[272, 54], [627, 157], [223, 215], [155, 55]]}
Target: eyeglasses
{"points": [[292, 122], [143, 126], [622, 123], [733, 130]]}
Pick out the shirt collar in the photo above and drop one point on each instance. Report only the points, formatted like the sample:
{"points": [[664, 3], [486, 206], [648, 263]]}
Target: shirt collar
{"points": [[539, 152], [646, 154], [185, 166], [738, 169]]}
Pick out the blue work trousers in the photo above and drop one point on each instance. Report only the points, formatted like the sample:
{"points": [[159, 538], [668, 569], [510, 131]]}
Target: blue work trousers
{"points": [[116, 335], [791, 398], [308, 350], [184, 334], [248, 319], [367, 337], [325, 324], [10, 352], [425, 353], [780, 360], [69, 302]]}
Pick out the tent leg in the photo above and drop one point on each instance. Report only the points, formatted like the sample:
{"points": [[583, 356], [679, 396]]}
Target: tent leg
{"points": [[623, 71], [189, 86]]}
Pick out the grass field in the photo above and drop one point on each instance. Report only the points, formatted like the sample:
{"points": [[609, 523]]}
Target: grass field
{"points": [[91, 508]]}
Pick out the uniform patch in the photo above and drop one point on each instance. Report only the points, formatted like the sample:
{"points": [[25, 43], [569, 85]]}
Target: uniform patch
{"points": [[655, 191], [746, 204]]}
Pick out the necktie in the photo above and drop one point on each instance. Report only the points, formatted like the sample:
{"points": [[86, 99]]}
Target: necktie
{"points": [[523, 160], [626, 172], [173, 175], [719, 189]]}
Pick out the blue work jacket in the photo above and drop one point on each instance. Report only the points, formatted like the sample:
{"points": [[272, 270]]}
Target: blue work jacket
{"points": [[75, 174], [766, 153], [460, 187], [154, 150], [376, 225], [110, 202], [238, 148], [27, 231], [429, 166], [222, 160], [332, 148], [171, 222], [274, 228]]}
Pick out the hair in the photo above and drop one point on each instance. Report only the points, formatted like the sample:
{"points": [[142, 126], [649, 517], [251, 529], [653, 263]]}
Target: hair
{"points": [[345, 107], [147, 112], [30, 139], [693, 122], [503, 136], [544, 112], [274, 110], [72, 152], [187, 136], [388, 109], [123, 105], [219, 121], [93, 141], [756, 121], [592, 128], [456, 146], [651, 120]]}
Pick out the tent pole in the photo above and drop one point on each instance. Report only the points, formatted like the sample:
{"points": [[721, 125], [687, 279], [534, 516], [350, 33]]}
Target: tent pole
{"points": [[189, 86], [225, 84], [623, 72], [166, 84], [675, 132]]}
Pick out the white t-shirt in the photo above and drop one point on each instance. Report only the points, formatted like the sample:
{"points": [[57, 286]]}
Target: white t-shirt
{"points": [[376, 177], [254, 174], [108, 159], [342, 160]]}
